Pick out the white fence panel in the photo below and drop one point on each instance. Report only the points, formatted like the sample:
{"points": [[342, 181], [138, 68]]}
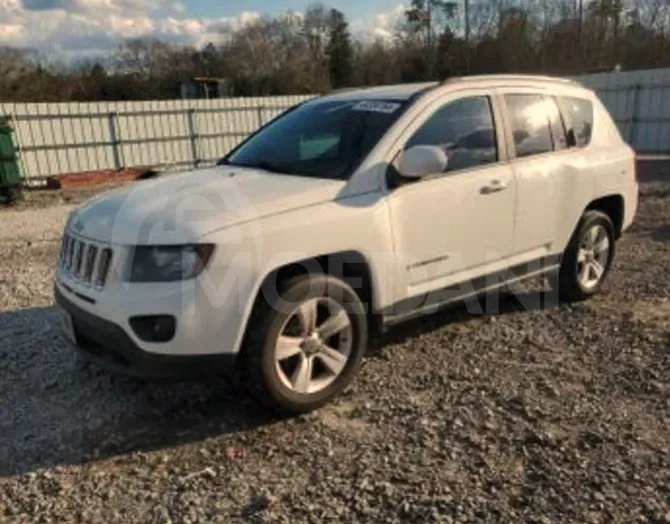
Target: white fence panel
{"points": [[639, 102], [78, 137]]}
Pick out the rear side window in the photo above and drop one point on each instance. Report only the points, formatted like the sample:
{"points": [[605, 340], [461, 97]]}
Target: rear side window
{"points": [[579, 113], [529, 123], [556, 124]]}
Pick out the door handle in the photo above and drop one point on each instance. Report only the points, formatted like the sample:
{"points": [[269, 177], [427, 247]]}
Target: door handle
{"points": [[494, 186]]}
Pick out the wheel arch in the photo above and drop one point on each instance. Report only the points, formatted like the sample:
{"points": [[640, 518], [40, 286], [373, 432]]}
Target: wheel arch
{"points": [[351, 266], [613, 206]]}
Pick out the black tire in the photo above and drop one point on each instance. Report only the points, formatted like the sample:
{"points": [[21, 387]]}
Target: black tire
{"points": [[570, 289], [258, 370]]}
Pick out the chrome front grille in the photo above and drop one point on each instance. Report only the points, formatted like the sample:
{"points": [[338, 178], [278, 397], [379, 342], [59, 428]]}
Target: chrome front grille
{"points": [[85, 261]]}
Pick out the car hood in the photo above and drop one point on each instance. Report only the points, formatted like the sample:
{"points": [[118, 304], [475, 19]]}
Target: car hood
{"points": [[180, 208]]}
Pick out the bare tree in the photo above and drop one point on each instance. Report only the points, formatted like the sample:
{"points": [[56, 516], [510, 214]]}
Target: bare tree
{"points": [[314, 51]]}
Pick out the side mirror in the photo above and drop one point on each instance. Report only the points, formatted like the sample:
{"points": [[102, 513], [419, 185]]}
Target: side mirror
{"points": [[421, 161]]}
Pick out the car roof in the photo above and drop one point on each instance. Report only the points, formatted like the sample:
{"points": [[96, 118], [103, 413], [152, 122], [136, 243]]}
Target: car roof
{"points": [[403, 92], [389, 92]]}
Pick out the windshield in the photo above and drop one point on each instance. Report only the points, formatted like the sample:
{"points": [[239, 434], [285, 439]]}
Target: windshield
{"points": [[325, 139]]}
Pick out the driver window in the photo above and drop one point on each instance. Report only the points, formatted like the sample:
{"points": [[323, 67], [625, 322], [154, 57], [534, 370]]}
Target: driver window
{"points": [[465, 129]]}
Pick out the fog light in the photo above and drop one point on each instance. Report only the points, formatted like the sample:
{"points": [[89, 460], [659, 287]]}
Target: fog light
{"points": [[154, 328]]}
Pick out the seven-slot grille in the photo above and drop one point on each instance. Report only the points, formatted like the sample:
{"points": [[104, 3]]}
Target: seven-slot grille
{"points": [[85, 261]]}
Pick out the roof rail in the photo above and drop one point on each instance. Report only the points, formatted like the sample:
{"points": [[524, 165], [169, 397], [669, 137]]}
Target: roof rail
{"points": [[423, 91], [507, 76]]}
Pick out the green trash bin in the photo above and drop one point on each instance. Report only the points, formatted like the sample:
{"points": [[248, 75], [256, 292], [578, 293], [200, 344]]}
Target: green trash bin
{"points": [[10, 173]]}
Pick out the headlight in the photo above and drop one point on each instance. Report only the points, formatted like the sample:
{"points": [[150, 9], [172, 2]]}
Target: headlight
{"points": [[169, 263]]}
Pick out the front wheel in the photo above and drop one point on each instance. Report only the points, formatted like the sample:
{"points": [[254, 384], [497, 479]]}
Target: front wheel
{"points": [[305, 346], [588, 258]]}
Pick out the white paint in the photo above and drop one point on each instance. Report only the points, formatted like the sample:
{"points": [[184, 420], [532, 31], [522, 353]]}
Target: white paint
{"points": [[456, 226]]}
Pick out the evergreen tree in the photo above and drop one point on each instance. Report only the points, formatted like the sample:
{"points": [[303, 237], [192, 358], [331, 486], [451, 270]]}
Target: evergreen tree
{"points": [[339, 50]]}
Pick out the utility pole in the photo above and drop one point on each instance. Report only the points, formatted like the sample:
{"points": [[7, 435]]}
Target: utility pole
{"points": [[429, 39], [429, 14], [466, 5], [579, 29]]}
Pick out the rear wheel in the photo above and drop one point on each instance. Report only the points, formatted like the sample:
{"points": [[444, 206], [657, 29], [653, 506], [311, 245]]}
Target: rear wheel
{"points": [[306, 346], [588, 258]]}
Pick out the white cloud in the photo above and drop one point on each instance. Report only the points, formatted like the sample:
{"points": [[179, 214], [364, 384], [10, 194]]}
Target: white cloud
{"points": [[379, 26], [11, 32], [94, 27], [384, 24], [89, 27]]}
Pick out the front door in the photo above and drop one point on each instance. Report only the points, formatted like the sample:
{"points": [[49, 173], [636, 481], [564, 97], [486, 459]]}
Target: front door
{"points": [[457, 225]]}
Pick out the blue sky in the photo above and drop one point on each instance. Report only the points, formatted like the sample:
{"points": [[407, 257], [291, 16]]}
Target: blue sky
{"points": [[90, 28], [353, 9]]}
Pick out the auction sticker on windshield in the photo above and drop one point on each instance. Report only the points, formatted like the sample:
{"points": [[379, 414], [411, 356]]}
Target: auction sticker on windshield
{"points": [[377, 107]]}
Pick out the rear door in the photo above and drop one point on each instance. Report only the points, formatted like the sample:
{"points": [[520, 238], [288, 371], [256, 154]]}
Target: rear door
{"points": [[545, 175]]}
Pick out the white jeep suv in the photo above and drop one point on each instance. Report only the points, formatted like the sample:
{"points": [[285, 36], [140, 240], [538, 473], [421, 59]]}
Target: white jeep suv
{"points": [[346, 214]]}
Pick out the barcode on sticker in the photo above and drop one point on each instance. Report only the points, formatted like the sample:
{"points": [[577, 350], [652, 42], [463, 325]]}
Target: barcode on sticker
{"points": [[377, 107]]}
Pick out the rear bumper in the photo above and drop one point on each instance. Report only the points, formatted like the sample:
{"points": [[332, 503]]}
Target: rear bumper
{"points": [[110, 346]]}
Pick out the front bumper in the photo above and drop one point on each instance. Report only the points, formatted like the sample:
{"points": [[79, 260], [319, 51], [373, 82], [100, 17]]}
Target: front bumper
{"points": [[109, 345]]}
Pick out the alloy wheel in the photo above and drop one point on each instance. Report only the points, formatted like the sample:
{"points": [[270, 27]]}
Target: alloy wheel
{"points": [[314, 345], [593, 256]]}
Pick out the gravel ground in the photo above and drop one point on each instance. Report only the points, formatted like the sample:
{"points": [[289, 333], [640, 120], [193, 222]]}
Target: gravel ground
{"points": [[553, 414]]}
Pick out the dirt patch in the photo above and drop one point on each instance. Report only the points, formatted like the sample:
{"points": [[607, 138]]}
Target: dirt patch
{"points": [[656, 312], [345, 417]]}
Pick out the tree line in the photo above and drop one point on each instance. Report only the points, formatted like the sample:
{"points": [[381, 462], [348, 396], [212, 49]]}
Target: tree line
{"points": [[316, 52]]}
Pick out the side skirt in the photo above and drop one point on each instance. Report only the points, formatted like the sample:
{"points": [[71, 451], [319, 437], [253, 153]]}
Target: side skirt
{"points": [[433, 301]]}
